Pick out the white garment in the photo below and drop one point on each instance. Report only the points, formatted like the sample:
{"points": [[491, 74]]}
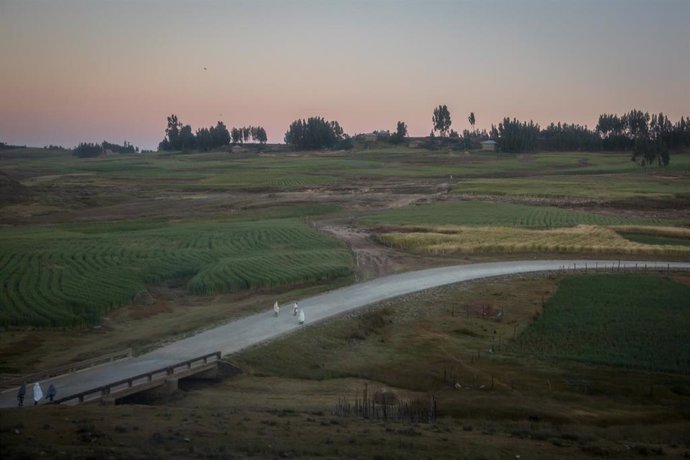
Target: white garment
{"points": [[38, 392]]}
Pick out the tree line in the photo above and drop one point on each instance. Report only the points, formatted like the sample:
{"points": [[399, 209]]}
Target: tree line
{"points": [[89, 149], [181, 137], [316, 133], [649, 137]]}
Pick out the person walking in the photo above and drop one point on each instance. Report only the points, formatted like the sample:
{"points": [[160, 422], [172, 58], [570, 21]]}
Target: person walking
{"points": [[38, 393], [51, 393], [301, 316], [21, 394], [276, 309], [295, 309]]}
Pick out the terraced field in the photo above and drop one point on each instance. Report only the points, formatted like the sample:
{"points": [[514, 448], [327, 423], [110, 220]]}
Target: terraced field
{"points": [[72, 275], [480, 213]]}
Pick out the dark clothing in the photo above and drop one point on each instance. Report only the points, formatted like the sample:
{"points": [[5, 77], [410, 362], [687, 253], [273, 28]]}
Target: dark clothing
{"points": [[21, 393], [51, 392]]}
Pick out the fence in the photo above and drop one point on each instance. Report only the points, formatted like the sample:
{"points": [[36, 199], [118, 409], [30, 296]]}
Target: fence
{"points": [[385, 406]]}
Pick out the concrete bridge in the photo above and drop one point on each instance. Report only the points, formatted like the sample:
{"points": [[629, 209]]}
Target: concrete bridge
{"points": [[156, 383]]}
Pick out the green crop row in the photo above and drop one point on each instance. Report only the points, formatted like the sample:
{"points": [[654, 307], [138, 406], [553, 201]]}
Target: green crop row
{"points": [[66, 277], [479, 213], [624, 320]]}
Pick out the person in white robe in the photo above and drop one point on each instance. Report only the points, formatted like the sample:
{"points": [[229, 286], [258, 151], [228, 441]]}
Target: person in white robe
{"points": [[38, 393]]}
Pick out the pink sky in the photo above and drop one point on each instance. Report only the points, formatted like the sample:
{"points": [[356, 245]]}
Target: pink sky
{"points": [[112, 70]]}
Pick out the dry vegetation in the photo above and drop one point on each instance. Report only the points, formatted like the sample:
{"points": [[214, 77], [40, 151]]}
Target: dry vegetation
{"points": [[580, 239]]}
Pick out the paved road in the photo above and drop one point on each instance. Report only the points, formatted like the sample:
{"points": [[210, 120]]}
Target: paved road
{"points": [[237, 335]]}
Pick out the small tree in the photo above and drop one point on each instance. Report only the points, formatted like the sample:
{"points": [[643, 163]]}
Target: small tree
{"points": [[472, 120]]}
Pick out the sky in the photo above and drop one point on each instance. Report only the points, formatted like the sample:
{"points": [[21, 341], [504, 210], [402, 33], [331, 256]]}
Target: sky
{"points": [[91, 70]]}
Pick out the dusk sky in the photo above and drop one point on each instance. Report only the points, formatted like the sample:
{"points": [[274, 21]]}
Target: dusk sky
{"points": [[95, 70]]}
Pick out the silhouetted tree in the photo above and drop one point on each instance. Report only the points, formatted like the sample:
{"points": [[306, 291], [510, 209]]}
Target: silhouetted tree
{"points": [[515, 136], [172, 133], [186, 139], [220, 135], [472, 120], [87, 150], [313, 133], [400, 133], [441, 120]]}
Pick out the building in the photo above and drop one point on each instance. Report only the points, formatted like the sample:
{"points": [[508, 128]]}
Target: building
{"points": [[489, 145]]}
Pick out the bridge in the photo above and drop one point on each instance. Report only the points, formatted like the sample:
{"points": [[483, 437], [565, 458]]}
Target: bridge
{"points": [[158, 382]]}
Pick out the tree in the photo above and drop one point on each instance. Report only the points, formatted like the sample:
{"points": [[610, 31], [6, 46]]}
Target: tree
{"points": [[515, 136], [87, 150], [313, 133], [471, 119], [204, 139], [400, 133], [187, 140], [220, 135], [261, 135], [172, 133], [236, 135], [441, 120]]}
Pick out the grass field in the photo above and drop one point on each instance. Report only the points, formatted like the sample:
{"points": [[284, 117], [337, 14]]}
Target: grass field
{"points": [[621, 320], [595, 175], [481, 213], [73, 274]]}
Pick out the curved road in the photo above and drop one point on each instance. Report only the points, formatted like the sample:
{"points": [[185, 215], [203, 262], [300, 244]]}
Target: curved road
{"points": [[237, 335]]}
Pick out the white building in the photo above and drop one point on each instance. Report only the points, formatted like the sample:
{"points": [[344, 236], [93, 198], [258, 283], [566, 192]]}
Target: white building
{"points": [[491, 146]]}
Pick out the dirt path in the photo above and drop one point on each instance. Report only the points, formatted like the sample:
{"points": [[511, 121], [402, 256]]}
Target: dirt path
{"points": [[371, 259]]}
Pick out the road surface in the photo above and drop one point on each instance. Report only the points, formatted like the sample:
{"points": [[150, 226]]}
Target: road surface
{"points": [[237, 335]]}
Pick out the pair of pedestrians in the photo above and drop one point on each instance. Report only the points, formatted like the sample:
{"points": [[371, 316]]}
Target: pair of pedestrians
{"points": [[38, 393], [295, 310]]}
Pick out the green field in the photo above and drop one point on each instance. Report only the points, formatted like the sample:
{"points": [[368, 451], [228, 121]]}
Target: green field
{"points": [[604, 187], [480, 213], [621, 320], [82, 236], [600, 176], [73, 274]]}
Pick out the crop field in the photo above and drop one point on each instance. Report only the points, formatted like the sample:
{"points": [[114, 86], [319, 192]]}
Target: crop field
{"points": [[82, 236], [591, 187], [72, 275], [632, 321], [481, 213], [497, 240]]}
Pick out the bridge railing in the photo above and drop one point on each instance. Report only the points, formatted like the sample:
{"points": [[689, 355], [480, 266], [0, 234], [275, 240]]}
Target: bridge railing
{"points": [[68, 368], [141, 379]]}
